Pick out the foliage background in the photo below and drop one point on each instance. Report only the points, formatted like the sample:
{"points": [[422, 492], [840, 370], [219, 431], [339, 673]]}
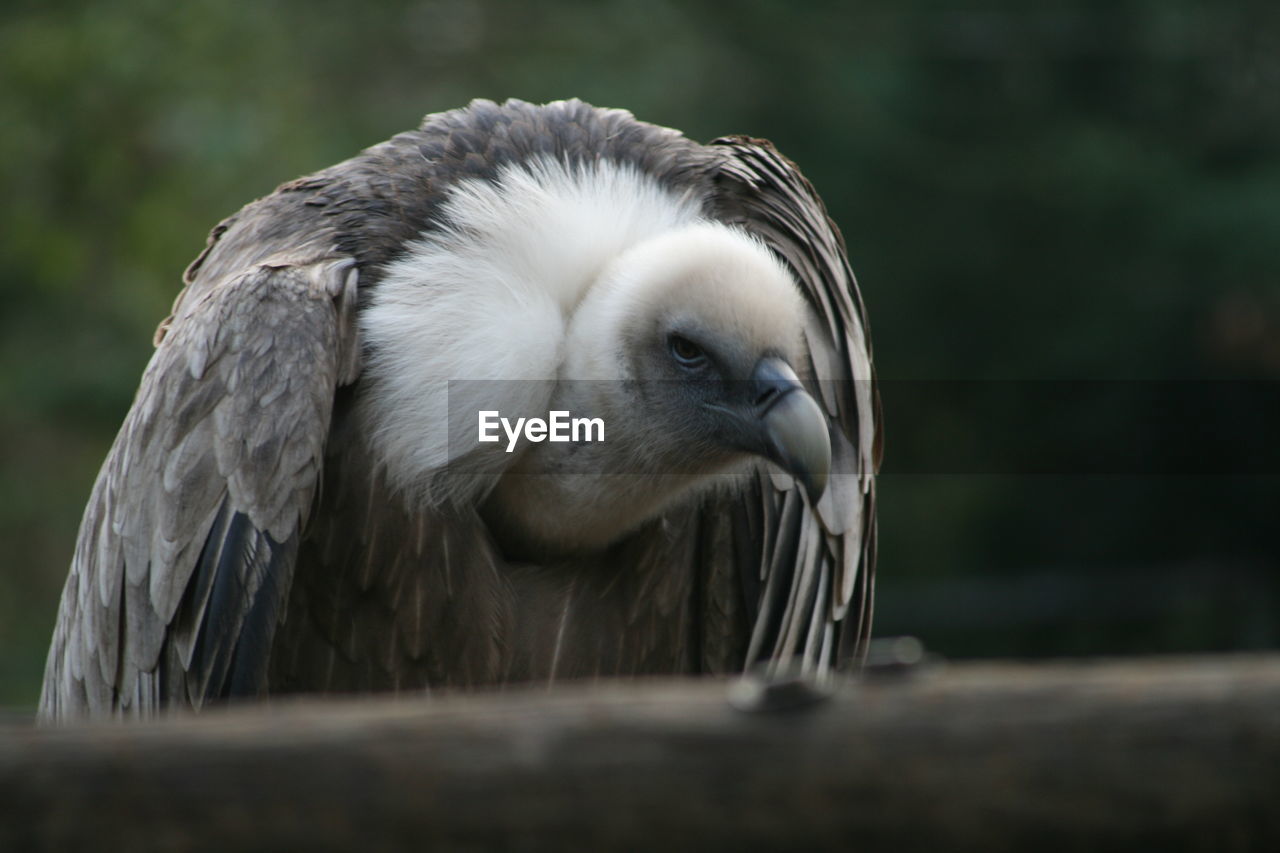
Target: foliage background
{"points": [[1029, 191]]}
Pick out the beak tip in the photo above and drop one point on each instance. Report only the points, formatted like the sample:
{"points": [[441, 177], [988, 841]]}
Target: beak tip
{"points": [[796, 431], [799, 441]]}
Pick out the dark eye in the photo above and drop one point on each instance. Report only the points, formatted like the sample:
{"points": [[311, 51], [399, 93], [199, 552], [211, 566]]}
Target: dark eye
{"points": [[686, 351]]}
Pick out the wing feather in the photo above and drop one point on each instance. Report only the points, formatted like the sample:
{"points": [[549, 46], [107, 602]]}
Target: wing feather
{"points": [[814, 597], [187, 546]]}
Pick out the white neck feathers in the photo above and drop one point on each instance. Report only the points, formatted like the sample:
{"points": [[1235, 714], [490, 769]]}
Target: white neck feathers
{"points": [[489, 297]]}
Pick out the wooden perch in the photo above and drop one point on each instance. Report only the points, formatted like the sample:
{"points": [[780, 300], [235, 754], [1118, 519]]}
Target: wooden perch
{"points": [[1168, 755]]}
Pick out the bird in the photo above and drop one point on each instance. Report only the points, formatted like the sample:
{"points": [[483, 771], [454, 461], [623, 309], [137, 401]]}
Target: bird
{"points": [[302, 497]]}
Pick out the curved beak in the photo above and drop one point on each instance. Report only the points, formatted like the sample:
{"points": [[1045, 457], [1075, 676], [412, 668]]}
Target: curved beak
{"points": [[793, 426]]}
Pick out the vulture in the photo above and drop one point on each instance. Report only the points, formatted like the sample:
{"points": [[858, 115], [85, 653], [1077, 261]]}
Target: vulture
{"points": [[354, 461]]}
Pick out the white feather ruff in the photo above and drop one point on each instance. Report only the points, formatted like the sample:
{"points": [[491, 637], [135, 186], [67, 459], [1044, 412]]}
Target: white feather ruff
{"points": [[494, 297]]}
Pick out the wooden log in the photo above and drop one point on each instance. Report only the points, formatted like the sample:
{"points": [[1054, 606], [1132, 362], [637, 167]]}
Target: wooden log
{"points": [[1168, 755]]}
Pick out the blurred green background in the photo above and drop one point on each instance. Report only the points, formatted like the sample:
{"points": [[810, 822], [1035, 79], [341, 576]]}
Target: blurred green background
{"points": [[1029, 191]]}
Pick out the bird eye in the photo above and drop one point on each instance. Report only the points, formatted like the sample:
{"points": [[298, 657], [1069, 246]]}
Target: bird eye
{"points": [[686, 351]]}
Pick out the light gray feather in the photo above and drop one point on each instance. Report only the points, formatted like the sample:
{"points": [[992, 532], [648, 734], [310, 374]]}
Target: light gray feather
{"points": [[232, 413]]}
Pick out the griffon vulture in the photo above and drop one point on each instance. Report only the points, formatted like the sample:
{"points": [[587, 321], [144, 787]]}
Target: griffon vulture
{"points": [[299, 499]]}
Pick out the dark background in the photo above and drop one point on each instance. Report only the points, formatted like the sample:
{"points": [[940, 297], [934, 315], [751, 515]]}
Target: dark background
{"points": [[1030, 192]]}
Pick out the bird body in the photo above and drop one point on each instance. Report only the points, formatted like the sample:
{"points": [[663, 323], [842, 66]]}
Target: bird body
{"points": [[298, 500]]}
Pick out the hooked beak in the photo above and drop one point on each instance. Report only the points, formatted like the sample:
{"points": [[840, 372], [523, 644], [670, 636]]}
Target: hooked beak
{"points": [[793, 427]]}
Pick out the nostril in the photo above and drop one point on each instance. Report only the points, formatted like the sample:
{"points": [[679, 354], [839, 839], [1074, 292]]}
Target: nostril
{"points": [[771, 380], [767, 396]]}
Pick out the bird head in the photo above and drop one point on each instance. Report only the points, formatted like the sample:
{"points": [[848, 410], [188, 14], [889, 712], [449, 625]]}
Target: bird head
{"points": [[699, 331]]}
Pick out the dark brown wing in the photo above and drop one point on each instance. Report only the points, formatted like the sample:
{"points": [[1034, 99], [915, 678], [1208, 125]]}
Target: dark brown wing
{"points": [[187, 545], [807, 575]]}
